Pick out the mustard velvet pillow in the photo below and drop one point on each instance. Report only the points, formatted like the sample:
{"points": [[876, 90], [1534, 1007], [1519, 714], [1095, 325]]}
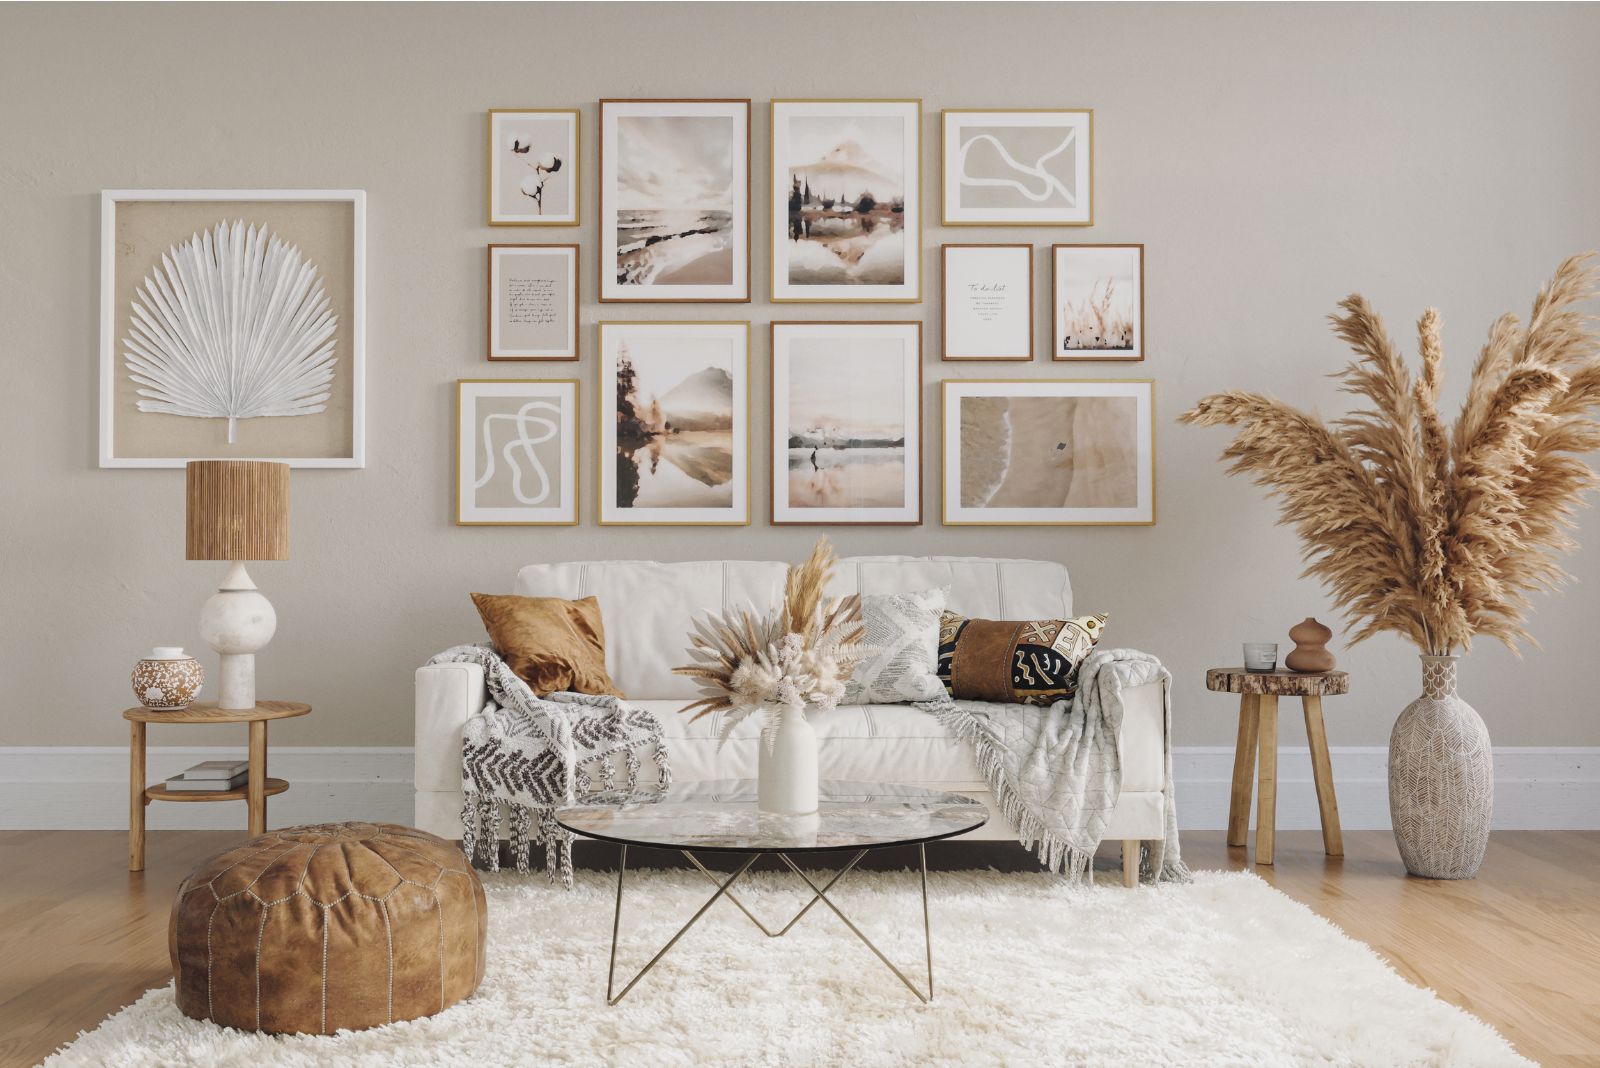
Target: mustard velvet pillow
{"points": [[552, 644]]}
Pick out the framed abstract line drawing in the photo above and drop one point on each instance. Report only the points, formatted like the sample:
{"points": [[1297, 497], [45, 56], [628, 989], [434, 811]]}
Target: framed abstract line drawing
{"points": [[674, 419], [1041, 452], [675, 200], [847, 422], [533, 302], [846, 200], [534, 169], [988, 302], [1098, 302], [516, 452], [1018, 167], [233, 326]]}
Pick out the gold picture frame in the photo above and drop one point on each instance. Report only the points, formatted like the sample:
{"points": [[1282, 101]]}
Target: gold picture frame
{"points": [[955, 215], [570, 468], [572, 146], [505, 354]]}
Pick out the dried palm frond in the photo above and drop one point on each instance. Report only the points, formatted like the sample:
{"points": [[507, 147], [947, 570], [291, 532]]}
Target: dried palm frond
{"points": [[1437, 534]]}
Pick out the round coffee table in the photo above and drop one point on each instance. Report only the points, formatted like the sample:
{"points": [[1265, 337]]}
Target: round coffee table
{"points": [[721, 817]]}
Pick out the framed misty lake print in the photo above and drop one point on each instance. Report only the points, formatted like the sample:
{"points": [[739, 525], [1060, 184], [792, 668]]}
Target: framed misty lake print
{"points": [[1028, 167], [675, 200], [533, 302], [847, 200], [516, 452], [1040, 452], [988, 302], [675, 423], [533, 167], [847, 422], [1098, 301]]}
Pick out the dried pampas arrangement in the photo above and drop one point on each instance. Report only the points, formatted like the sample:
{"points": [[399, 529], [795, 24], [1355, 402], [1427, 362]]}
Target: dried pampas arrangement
{"points": [[1439, 534]]}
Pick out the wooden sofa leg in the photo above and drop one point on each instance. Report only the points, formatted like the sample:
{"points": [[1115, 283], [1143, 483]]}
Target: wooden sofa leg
{"points": [[1130, 862]]}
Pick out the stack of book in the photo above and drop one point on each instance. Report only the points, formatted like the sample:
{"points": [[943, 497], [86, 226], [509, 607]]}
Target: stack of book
{"points": [[212, 775]]}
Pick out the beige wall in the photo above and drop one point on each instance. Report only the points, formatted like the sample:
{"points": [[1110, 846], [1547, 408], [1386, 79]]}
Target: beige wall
{"points": [[1272, 158]]}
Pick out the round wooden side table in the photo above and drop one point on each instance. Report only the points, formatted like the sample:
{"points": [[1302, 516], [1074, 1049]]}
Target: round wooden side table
{"points": [[1258, 733], [257, 788]]}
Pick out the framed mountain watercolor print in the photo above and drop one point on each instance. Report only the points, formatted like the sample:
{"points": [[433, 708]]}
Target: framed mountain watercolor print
{"points": [[1029, 167], [675, 200], [533, 167], [1098, 301], [1041, 452], [846, 200], [232, 326], [516, 452], [533, 302], [847, 422], [674, 423]]}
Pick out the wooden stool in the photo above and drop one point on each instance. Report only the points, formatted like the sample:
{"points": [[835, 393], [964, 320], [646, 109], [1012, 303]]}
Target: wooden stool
{"points": [[1258, 732]]}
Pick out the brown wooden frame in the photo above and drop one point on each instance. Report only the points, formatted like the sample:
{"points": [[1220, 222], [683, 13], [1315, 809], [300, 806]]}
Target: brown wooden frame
{"points": [[488, 334], [1091, 355], [944, 296]]}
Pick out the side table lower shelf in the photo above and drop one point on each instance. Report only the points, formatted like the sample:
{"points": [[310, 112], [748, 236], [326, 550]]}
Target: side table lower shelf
{"points": [[159, 792]]}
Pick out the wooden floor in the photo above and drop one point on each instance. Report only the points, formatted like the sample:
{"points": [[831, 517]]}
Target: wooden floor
{"points": [[1519, 946]]}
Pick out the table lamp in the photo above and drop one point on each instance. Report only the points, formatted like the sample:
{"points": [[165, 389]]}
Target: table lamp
{"points": [[237, 510]]}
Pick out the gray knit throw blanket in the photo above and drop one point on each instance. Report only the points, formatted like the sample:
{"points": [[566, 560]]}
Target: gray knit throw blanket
{"points": [[532, 755], [1056, 772]]}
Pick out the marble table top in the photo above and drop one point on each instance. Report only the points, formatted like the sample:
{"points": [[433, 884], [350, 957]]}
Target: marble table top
{"points": [[722, 817]]}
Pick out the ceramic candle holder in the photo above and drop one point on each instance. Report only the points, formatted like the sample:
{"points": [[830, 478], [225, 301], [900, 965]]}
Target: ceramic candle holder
{"points": [[1261, 658]]}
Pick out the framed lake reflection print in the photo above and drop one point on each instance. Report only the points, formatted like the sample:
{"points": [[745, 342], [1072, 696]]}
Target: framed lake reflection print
{"points": [[847, 422], [1039, 452], [846, 200], [533, 302], [533, 167], [675, 423], [1030, 167], [1098, 297], [516, 452], [675, 200]]}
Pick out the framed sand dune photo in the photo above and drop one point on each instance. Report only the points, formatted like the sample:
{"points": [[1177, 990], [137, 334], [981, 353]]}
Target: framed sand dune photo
{"points": [[533, 167], [1033, 452], [847, 422], [516, 452], [1028, 167], [846, 200], [533, 302], [1098, 297], [675, 423], [675, 200]]}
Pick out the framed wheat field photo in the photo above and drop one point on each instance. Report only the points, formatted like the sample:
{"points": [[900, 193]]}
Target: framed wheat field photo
{"points": [[846, 200], [1038, 452], [516, 452], [1098, 301], [675, 200], [847, 422], [988, 302], [533, 302], [233, 326], [1021, 167], [533, 167], [674, 423]]}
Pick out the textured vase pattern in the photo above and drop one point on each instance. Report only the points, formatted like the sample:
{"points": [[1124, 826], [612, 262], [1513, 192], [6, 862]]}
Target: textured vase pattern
{"points": [[1441, 779], [167, 685]]}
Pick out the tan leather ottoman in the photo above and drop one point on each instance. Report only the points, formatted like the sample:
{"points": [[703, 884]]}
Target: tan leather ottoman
{"points": [[339, 925]]}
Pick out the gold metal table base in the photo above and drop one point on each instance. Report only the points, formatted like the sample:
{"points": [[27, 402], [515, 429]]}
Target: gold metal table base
{"points": [[723, 885]]}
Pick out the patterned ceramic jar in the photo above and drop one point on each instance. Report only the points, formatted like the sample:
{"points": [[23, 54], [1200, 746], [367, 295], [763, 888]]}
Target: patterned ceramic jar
{"points": [[166, 680]]}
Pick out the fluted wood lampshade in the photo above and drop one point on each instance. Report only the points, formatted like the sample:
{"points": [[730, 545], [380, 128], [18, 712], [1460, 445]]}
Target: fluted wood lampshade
{"points": [[237, 510]]}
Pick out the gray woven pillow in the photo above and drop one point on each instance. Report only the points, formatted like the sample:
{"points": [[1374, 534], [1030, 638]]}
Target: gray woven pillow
{"points": [[902, 629]]}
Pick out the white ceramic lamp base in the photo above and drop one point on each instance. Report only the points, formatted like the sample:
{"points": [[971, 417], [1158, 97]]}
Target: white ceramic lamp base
{"points": [[237, 621]]}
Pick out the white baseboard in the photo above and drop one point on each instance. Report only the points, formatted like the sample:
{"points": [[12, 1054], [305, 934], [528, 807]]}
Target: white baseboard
{"points": [[86, 787]]}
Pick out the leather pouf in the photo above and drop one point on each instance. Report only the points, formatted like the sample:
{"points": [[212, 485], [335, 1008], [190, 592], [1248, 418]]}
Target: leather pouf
{"points": [[329, 927]]}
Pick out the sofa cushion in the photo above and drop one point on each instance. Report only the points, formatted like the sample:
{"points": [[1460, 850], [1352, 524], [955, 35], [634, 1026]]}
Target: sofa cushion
{"points": [[1027, 662], [901, 633], [551, 643]]}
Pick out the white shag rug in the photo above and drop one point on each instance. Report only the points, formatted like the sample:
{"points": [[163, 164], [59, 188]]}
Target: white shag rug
{"points": [[1226, 971]]}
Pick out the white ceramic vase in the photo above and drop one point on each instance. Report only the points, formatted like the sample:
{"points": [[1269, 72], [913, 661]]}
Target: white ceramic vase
{"points": [[787, 767]]}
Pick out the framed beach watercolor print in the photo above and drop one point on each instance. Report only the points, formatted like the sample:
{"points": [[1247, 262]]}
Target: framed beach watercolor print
{"points": [[533, 302], [516, 452], [988, 302], [846, 200], [675, 200], [533, 167], [1049, 453], [1098, 297], [1032, 167], [846, 422], [675, 423]]}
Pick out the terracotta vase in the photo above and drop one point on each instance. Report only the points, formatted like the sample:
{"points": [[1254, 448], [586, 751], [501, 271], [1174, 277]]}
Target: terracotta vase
{"points": [[1310, 653], [167, 680]]}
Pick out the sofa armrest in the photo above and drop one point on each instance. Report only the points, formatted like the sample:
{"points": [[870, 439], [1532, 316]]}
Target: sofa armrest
{"points": [[1144, 739], [446, 696]]}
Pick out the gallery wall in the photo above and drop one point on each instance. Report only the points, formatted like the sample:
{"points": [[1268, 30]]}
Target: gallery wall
{"points": [[1270, 158]]}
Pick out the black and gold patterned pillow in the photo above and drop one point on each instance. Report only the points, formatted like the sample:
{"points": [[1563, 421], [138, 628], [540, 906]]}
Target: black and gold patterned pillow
{"points": [[1028, 662]]}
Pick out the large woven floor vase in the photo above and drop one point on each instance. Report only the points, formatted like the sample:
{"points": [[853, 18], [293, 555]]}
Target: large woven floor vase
{"points": [[1441, 779]]}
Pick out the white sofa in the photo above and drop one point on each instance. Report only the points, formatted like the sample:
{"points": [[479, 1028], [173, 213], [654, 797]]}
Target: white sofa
{"points": [[647, 609]]}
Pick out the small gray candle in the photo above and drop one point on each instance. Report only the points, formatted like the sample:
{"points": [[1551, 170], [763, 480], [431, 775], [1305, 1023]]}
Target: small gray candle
{"points": [[1261, 657]]}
